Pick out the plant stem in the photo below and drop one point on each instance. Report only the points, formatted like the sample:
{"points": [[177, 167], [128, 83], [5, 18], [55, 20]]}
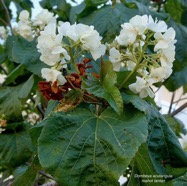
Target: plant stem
{"points": [[171, 103], [5, 23], [3, 69], [47, 176], [178, 110], [40, 110], [132, 72], [73, 61], [7, 15], [113, 2]]}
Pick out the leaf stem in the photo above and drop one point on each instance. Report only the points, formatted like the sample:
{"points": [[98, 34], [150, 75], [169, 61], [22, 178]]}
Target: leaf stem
{"points": [[73, 61], [7, 15], [40, 110]]}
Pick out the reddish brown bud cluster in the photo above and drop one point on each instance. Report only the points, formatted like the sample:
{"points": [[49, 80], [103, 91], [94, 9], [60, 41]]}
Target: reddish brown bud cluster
{"points": [[55, 92], [51, 92]]}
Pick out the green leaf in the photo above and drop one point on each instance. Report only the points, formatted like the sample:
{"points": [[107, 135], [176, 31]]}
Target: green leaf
{"points": [[10, 104], [175, 9], [35, 134], [10, 99], [163, 144], [137, 102], [178, 77], [16, 73], [25, 52], [143, 166], [105, 87], [181, 181], [29, 175], [176, 125], [108, 19], [81, 148], [51, 106], [15, 148], [26, 87]]}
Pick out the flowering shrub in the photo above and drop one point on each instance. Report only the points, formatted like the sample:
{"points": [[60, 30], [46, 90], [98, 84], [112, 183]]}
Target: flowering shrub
{"points": [[81, 107]]}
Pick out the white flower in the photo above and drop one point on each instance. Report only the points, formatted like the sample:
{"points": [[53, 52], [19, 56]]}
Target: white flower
{"points": [[43, 18], [52, 75], [24, 16], [159, 74], [25, 30], [24, 25], [88, 37], [156, 26], [130, 65], [183, 141], [74, 31], [139, 23], [164, 40], [3, 33], [167, 56], [50, 46], [127, 35], [115, 58], [142, 87], [136, 26]]}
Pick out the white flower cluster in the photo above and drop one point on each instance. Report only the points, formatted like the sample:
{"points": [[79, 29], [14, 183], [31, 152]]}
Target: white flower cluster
{"points": [[28, 28], [55, 48], [144, 47], [130, 48], [3, 33]]}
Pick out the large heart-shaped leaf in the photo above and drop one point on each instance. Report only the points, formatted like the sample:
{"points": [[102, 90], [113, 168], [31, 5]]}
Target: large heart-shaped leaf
{"points": [[82, 148]]}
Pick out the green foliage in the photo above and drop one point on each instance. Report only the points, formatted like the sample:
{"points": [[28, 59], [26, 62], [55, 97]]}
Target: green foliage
{"points": [[25, 52], [94, 143], [176, 125], [15, 146], [105, 87], [181, 181], [107, 20], [29, 175], [142, 165], [163, 145], [102, 146], [11, 99]]}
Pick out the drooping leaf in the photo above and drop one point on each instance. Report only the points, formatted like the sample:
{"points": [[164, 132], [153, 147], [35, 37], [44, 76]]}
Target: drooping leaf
{"points": [[81, 148], [163, 145], [25, 52], [104, 87], [15, 148]]}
